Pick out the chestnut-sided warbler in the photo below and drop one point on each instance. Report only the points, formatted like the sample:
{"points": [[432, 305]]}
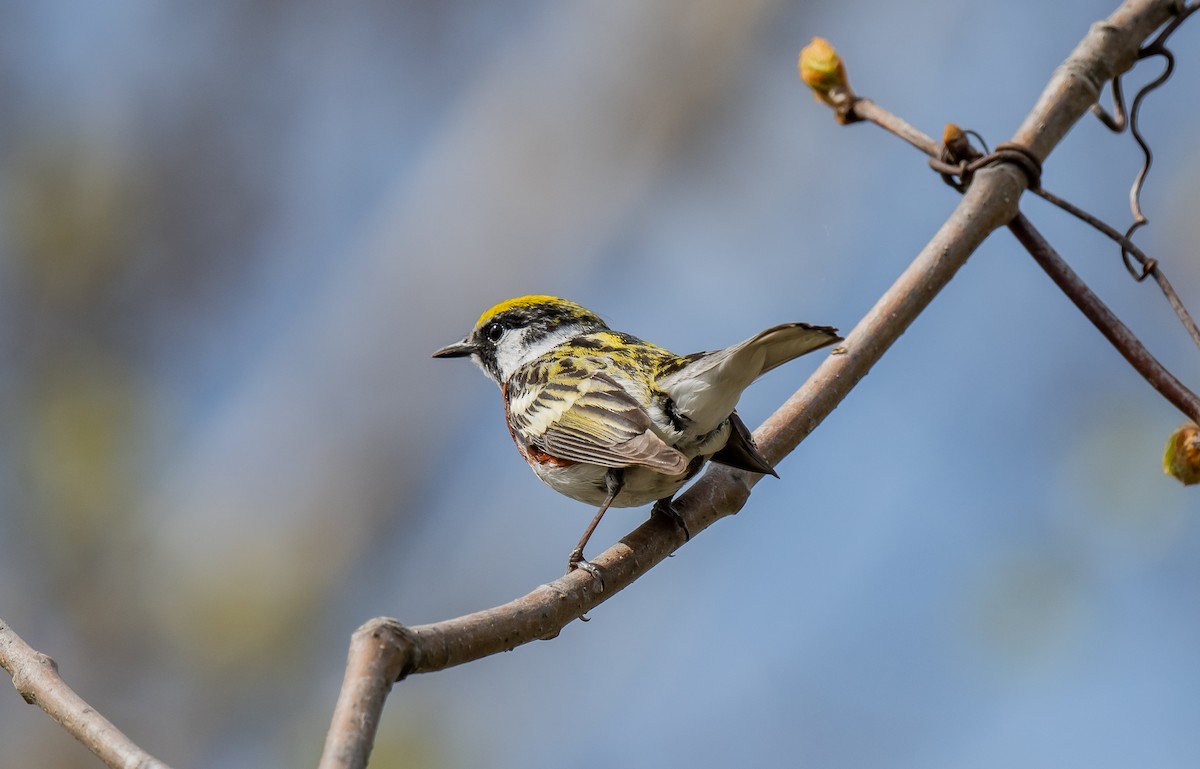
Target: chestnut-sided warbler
{"points": [[608, 419]]}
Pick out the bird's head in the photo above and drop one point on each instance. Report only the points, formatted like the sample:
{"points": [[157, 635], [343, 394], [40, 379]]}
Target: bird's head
{"points": [[517, 331]]}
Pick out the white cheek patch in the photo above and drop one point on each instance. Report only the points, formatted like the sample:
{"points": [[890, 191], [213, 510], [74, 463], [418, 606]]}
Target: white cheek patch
{"points": [[513, 352], [509, 351]]}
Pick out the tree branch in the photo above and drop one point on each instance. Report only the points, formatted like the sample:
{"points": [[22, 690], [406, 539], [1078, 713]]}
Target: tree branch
{"points": [[1071, 92], [1103, 318], [989, 203], [36, 678], [383, 651]]}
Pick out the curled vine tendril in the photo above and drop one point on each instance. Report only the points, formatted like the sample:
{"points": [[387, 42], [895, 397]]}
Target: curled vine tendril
{"points": [[1137, 263]]}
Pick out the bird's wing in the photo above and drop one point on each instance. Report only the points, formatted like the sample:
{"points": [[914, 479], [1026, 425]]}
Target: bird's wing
{"points": [[594, 421], [707, 388]]}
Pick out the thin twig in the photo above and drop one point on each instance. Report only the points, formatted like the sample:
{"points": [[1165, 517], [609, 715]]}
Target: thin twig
{"points": [[36, 678], [1113, 329], [865, 109], [1150, 266], [1105, 320]]}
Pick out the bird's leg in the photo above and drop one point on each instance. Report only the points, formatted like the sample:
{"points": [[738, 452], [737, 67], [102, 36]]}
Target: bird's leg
{"points": [[614, 479], [666, 508]]}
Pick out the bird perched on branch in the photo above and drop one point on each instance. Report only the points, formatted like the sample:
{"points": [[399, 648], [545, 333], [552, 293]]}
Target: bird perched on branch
{"points": [[611, 420]]}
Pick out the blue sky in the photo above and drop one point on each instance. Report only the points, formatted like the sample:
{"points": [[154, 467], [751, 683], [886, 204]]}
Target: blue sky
{"points": [[974, 561]]}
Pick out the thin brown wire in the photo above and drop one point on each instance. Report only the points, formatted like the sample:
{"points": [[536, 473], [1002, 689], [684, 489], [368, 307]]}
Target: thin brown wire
{"points": [[1118, 121]]}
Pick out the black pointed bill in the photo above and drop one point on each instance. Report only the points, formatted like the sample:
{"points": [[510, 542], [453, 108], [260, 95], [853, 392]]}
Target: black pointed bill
{"points": [[461, 349]]}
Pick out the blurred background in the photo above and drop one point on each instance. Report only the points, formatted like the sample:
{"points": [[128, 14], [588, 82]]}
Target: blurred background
{"points": [[232, 233]]}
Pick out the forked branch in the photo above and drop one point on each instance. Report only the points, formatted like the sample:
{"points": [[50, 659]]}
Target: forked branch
{"points": [[383, 651], [383, 648], [1071, 82]]}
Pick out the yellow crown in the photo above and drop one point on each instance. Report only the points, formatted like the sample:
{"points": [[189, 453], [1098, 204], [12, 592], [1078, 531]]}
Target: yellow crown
{"points": [[540, 305]]}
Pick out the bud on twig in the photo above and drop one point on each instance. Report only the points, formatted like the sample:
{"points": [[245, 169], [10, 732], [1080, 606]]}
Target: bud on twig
{"points": [[954, 139], [822, 70], [1181, 458]]}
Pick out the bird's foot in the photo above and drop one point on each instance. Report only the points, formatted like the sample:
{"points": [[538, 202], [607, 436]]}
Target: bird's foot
{"points": [[666, 507], [576, 561]]}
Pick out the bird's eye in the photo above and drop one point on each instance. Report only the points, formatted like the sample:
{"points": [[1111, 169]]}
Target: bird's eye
{"points": [[493, 332]]}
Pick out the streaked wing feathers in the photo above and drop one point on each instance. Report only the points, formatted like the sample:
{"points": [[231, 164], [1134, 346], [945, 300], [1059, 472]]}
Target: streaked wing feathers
{"points": [[594, 421]]}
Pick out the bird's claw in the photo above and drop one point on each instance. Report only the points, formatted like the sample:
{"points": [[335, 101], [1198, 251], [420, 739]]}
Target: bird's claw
{"points": [[576, 561], [666, 507]]}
